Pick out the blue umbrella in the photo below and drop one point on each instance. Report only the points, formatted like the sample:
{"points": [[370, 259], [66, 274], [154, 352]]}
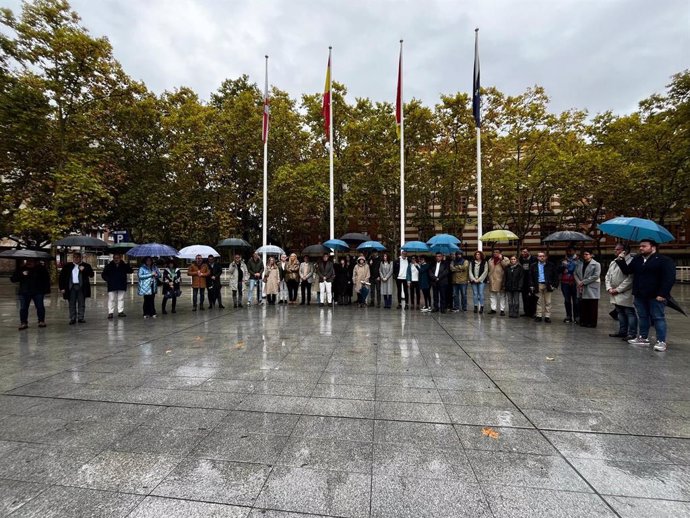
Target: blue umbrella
{"points": [[444, 248], [336, 244], [369, 246], [415, 247], [152, 250], [636, 229], [443, 239]]}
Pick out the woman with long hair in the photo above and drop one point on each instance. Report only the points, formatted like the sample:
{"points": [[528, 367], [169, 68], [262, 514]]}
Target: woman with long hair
{"points": [[148, 276], [478, 273], [272, 280]]}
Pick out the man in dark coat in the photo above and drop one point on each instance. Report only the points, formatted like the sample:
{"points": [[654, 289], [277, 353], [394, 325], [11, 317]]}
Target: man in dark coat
{"points": [[115, 275], [375, 294], [529, 299], [438, 274], [75, 287], [543, 279], [325, 273], [214, 283], [34, 284], [653, 277]]}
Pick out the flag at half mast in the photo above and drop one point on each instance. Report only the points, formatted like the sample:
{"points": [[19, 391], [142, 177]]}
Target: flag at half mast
{"points": [[326, 108], [267, 109]]}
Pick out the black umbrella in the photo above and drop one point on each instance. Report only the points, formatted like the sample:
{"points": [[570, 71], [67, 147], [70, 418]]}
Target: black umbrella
{"points": [[354, 238], [234, 242], [567, 235], [83, 241], [24, 253], [671, 303], [316, 250]]}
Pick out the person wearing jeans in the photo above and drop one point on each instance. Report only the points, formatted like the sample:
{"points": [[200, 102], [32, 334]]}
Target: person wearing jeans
{"points": [[460, 269], [619, 288], [478, 272], [568, 288], [198, 271], [255, 268], [653, 277], [34, 284]]}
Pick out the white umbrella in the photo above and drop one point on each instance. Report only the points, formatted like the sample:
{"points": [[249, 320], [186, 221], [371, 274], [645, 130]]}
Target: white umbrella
{"points": [[270, 250], [190, 252]]}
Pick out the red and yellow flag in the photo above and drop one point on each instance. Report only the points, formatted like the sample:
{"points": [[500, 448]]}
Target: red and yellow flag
{"points": [[326, 108]]}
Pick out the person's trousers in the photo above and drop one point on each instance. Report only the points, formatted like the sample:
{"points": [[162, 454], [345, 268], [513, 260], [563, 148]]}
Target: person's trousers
{"points": [[198, 293], [460, 296], [375, 293], [497, 299], [214, 296], [544, 302], [514, 303], [119, 297], [254, 287], [529, 303], [325, 288], [415, 293], [77, 303], [24, 303], [387, 301], [627, 320], [478, 293], [149, 305], [649, 310], [440, 297], [237, 294], [293, 288], [589, 309], [426, 292], [305, 288], [572, 308], [402, 290], [165, 301], [283, 292]]}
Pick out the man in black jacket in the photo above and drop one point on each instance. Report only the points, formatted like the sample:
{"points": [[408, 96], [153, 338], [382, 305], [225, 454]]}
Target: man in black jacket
{"points": [[214, 283], [34, 284], [529, 299], [438, 274], [374, 265], [543, 279], [653, 277], [115, 276], [75, 287], [400, 266]]}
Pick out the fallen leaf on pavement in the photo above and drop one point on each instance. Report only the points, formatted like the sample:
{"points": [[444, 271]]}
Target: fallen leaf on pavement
{"points": [[490, 432]]}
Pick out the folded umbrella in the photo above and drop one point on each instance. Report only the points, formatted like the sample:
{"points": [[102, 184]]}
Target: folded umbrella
{"points": [[671, 303], [636, 229]]}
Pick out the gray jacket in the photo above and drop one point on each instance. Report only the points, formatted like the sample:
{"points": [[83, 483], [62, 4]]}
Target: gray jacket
{"points": [[621, 282], [233, 272], [591, 280]]}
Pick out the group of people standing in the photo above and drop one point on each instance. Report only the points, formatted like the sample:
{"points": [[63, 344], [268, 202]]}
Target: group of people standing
{"points": [[638, 285]]}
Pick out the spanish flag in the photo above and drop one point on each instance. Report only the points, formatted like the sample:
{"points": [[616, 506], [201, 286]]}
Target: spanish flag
{"points": [[326, 108]]}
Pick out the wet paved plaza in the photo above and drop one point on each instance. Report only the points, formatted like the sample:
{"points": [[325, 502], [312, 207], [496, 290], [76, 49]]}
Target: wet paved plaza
{"points": [[273, 412]]}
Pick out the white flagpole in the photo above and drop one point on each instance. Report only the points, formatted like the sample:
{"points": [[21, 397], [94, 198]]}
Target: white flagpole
{"points": [[479, 153], [402, 154], [265, 211], [330, 143]]}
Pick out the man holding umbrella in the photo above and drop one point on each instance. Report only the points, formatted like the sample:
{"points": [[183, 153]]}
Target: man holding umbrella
{"points": [[653, 277]]}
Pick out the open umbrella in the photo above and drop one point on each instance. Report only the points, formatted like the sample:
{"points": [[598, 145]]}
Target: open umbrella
{"points": [[153, 250], [24, 253], [354, 238], [415, 247], [498, 236], [83, 241], [444, 248], [567, 235], [315, 250], [270, 250], [636, 229], [371, 246], [190, 252], [443, 239], [121, 248], [336, 244], [233, 242]]}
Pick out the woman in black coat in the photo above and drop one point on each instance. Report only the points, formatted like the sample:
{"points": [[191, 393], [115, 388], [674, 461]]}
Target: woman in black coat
{"points": [[513, 282], [342, 278], [34, 284]]}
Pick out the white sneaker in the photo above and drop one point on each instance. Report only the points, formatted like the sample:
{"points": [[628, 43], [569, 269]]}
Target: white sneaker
{"points": [[660, 346], [643, 342]]}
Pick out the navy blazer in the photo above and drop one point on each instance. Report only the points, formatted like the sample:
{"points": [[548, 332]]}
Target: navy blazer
{"points": [[651, 279]]}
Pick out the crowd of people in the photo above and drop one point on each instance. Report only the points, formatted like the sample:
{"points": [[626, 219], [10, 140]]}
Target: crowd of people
{"points": [[638, 285]]}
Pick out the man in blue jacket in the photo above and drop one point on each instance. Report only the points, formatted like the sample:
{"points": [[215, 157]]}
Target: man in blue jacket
{"points": [[653, 278], [115, 275]]}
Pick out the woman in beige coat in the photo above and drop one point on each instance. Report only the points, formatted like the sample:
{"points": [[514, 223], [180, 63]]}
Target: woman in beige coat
{"points": [[497, 295], [272, 280], [360, 276]]}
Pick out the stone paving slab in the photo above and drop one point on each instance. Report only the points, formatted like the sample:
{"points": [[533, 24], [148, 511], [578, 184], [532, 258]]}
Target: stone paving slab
{"points": [[287, 412]]}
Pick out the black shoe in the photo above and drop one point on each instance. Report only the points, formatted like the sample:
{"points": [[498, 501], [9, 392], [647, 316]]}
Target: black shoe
{"points": [[72, 322], [434, 310], [110, 316], [547, 320], [220, 306], [503, 313], [173, 311], [629, 337], [537, 319], [81, 321], [443, 311], [301, 303], [476, 309], [399, 306], [492, 312], [164, 312], [201, 308], [240, 306], [122, 314], [194, 308], [481, 309], [617, 335]]}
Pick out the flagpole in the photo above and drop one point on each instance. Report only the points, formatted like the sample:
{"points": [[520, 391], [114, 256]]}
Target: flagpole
{"points": [[402, 155], [265, 208], [330, 145], [475, 94]]}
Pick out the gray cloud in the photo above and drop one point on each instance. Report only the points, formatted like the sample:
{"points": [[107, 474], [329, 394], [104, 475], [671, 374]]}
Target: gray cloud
{"points": [[594, 54]]}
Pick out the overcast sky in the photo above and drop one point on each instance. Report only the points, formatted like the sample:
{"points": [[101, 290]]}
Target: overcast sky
{"points": [[594, 54]]}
